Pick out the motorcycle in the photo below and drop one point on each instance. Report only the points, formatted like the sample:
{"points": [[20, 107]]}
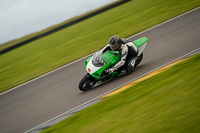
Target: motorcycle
{"points": [[98, 64]]}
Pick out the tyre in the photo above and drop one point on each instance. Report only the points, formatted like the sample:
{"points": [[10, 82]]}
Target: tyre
{"points": [[86, 83], [138, 60]]}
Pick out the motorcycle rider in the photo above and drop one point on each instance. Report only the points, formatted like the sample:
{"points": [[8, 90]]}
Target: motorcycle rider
{"points": [[128, 52]]}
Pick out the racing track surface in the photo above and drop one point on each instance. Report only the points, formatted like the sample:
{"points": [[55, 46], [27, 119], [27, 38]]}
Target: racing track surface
{"points": [[36, 102]]}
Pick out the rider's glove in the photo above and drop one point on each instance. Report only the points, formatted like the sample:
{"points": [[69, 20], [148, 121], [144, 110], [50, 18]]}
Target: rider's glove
{"points": [[111, 70]]}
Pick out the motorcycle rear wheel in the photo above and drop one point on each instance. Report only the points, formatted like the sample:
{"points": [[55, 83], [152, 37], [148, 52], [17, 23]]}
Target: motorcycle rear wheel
{"points": [[87, 82]]}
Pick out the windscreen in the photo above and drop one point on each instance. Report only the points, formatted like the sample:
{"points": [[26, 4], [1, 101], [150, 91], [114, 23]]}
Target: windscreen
{"points": [[98, 60]]}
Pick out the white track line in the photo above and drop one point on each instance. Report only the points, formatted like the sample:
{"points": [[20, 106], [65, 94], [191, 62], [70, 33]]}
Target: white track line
{"points": [[164, 22], [44, 75], [111, 91], [90, 54]]}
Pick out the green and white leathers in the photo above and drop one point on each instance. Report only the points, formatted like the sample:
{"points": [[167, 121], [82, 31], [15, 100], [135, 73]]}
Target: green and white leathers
{"points": [[97, 65]]}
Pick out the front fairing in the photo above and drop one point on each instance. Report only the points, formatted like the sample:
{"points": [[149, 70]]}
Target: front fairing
{"points": [[96, 64]]}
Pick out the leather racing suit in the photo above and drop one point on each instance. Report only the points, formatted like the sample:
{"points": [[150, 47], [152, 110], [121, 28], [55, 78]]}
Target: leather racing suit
{"points": [[128, 51]]}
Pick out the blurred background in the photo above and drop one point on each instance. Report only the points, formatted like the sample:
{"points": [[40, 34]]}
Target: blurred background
{"points": [[22, 17]]}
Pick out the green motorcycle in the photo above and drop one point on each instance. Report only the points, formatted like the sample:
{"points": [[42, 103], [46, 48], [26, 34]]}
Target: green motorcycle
{"points": [[97, 65]]}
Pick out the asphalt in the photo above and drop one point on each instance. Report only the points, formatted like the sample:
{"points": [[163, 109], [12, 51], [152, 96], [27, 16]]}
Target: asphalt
{"points": [[40, 100]]}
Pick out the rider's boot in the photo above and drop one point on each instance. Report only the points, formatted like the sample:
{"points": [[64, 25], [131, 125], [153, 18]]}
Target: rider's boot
{"points": [[130, 67]]}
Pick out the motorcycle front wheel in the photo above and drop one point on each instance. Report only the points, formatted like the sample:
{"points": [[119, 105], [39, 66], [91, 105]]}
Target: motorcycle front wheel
{"points": [[86, 83]]}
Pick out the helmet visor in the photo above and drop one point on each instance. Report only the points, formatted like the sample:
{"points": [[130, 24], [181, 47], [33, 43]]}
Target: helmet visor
{"points": [[114, 46]]}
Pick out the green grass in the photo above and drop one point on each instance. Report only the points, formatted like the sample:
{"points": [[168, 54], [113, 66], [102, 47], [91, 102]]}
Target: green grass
{"points": [[67, 45], [166, 103]]}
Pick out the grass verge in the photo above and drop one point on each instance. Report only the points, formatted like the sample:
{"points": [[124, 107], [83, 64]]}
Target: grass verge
{"points": [[67, 45], [167, 102]]}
